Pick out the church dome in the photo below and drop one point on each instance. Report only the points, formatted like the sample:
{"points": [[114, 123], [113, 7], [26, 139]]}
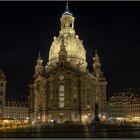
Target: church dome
{"points": [[74, 46]]}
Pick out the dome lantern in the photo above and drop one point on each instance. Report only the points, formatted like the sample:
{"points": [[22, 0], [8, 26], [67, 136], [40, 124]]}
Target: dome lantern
{"points": [[67, 22]]}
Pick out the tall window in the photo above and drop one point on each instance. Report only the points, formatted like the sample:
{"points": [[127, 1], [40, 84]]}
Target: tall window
{"points": [[74, 97], [74, 92], [61, 96]]}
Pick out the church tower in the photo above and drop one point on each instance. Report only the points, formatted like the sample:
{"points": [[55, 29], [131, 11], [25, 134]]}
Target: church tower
{"points": [[67, 22], [37, 94], [97, 65], [39, 68], [101, 84]]}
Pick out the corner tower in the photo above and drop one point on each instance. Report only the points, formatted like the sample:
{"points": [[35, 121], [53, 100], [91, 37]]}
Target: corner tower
{"points": [[39, 69], [2, 92], [100, 88]]}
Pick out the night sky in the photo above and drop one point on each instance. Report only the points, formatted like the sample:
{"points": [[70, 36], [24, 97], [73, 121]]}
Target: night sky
{"points": [[29, 27]]}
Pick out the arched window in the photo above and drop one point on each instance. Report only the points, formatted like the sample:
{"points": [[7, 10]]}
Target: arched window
{"points": [[61, 96], [70, 24]]}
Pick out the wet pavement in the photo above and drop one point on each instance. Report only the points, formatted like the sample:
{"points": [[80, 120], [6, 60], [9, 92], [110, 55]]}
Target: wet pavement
{"points": [[70, 131]]}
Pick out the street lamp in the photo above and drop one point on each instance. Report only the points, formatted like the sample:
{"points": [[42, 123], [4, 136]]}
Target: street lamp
{"points": [[86, 116], [104, 117], [27, 118]]}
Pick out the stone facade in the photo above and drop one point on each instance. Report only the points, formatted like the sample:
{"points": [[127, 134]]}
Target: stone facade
{"points": [[16, 110], [124, 107], [2, 92], [64, 89]]}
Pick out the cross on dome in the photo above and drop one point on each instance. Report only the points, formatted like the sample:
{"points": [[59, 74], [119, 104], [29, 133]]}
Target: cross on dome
{"points": [[67, 12]]}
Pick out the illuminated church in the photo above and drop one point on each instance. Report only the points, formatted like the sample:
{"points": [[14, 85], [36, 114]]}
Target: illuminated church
{"points": [[64, 90]]}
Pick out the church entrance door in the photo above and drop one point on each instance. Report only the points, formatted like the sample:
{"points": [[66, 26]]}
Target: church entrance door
{"points": [[61, 117]]}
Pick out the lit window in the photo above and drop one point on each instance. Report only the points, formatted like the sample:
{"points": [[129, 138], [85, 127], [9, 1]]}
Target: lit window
{"points": [[61, 96], [61, 114], [61, 99], [61, 105]]}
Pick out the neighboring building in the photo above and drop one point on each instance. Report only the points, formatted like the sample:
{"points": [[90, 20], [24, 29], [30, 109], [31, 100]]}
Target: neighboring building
{"points": [[65, 90], [2, 92], [11, 109], [135, 107], [124, 107], [16, 110]]}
